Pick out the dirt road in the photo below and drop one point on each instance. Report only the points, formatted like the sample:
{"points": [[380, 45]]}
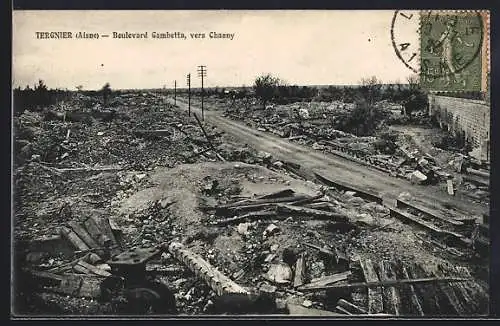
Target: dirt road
{"points": [[340, 169]]}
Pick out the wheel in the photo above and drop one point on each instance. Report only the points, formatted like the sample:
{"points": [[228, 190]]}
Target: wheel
{"points": [[151, 298]]}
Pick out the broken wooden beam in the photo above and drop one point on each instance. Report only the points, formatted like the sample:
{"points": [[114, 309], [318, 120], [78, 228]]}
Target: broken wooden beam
{"points": [[391, 296], [320, 283], [322, 205], [278, 194], [365, 194], [375, 300], [476, 180], [244, 208], [86, 268], [350, 307], [79, 229], [300, 271], [262, 201], [250, 215], [484, 174], [428, 211], [73, 238], [343, 310], [307, 200], [407, 217], [310, 212], [220, 283]]}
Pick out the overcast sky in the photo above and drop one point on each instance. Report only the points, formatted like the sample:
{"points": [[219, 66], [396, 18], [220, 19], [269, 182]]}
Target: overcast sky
{"points": [[301, 47]]}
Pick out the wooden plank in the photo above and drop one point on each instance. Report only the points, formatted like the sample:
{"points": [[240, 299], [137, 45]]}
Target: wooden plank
{"points": [[342, 310], [278, 194], [315, 213], [83, 234], [93, 269], [81, 269], [300, 271], [392, 300], [73, 238], [320, 283], [407, 217], [250, 216], [351, 307], [257, 202], [305, 201], [365, 194], [375, 300], [481, 173], [428, 211], [415, 303]]}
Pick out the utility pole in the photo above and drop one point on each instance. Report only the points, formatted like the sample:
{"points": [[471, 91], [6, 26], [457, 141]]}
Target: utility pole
{"points": [[189, 93], [175, 92], [202, 72]]}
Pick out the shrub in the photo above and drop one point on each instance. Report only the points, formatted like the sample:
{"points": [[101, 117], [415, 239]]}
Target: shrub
{"points": [[363, 120]]}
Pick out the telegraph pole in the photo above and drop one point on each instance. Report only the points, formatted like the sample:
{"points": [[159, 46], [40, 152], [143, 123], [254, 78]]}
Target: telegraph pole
{"points": [[189, 93], [175, 92], [202, 72]]}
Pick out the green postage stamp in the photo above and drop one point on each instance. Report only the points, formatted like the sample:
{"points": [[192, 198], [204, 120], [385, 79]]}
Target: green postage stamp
{"points": [[453, 50]]}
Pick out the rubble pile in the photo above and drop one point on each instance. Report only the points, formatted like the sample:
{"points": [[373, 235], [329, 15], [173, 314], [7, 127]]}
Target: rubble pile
{"points": [[155, 212], [311, 124], [281, 264]]}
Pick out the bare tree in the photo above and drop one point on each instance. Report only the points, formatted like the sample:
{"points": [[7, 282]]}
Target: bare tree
{"points": [[265, 87], [413, 82], [370, 89]]}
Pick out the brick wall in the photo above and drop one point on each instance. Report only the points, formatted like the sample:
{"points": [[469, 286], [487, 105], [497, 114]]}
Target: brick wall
{"points": [[472, 117]]}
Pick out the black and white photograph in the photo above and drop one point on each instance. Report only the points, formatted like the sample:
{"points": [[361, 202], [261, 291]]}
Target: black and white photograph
{"points": [[259, 163]]}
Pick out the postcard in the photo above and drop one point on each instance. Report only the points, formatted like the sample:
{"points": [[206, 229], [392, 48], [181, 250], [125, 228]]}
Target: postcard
{"points": [[250, 163]]}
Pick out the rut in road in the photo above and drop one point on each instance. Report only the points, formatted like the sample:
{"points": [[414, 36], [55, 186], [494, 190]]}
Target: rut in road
{"points": [[341, 169]]}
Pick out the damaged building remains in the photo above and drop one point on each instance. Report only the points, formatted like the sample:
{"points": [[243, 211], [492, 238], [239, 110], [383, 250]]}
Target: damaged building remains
{"points": [[138, 208], [149, 190]]}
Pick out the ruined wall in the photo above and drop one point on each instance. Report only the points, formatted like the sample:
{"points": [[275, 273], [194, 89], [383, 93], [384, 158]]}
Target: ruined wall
{"points": [[472, 117]]}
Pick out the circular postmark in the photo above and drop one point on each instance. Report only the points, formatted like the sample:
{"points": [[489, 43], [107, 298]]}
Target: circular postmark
{"points": [[437, 44]]}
